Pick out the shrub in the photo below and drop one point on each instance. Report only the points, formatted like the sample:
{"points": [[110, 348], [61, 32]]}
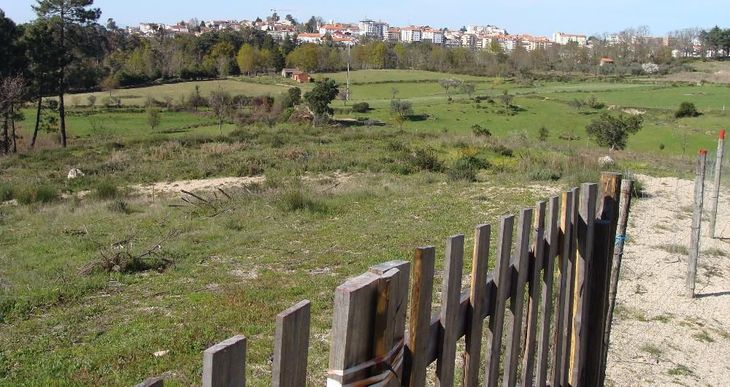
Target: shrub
{"points": [[545, 174], [466, 167], [297, 200], [613, 131], [543, 133], [361, 107], [501, 150], [106, 190], [37, 194], [120, 206], [6, 192], [686, 109], [479, 131], [426, 160]]}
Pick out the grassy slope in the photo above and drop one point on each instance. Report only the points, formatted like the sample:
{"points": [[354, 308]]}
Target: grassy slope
{"points": [[235, 271]]}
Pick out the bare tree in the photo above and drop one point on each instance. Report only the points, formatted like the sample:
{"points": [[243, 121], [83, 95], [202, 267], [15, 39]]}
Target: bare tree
{"points": [[12, 89], [684, 40], [221, 105]]}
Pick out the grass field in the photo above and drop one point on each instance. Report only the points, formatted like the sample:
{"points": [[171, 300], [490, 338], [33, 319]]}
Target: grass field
{"points": [[336, 200]]}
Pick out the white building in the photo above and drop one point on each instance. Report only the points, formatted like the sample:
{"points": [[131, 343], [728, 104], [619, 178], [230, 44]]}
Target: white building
{"points": [[563, 38], [432, 35], [373, 29], [469, 41], [309, 38], [150, 28], [410, 34], [486, 30]]}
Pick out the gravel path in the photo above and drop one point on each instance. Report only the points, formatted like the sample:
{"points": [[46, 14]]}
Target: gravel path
{"points": [[661, 337]]}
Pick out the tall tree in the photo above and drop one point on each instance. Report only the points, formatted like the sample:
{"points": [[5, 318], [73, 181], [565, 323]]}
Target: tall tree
{"points": [[67, 17], [12, 84]]}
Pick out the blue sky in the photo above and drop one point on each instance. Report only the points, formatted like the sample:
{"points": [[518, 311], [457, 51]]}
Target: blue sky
{"points": [[518, 16]]}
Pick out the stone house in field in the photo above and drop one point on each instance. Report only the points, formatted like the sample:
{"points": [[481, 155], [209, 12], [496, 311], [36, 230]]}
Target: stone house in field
{"points": [[297, 75]]}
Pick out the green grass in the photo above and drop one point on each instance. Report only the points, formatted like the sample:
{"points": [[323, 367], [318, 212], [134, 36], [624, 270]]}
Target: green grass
{"points": [[138, 96], [336, 200]]}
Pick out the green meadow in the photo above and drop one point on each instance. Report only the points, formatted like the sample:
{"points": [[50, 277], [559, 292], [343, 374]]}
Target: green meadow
{"points": [[333, 201]]}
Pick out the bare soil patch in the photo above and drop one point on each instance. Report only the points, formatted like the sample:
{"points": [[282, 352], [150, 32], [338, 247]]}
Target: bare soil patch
{"points": [[661, 337]]}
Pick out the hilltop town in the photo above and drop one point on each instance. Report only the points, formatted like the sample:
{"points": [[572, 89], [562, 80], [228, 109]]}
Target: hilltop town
{"points": [[474, 37]]}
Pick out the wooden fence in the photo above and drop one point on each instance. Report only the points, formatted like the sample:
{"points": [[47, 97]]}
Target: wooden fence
{"points": [[541, 313]]}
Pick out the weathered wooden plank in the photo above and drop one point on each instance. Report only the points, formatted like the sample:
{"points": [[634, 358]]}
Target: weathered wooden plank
{"points": [[386, 312], [502, 283], [291, 346], [224, 364], [715, 197], [595, 321], [400, 302], [627, 187], [537, 259], [583, 265], [434, 331], [450, 294], [517, 299], [418, 325], [546, 307], [564, 305], [352, 328], [694, 243], [477, 305], [152, 382]]}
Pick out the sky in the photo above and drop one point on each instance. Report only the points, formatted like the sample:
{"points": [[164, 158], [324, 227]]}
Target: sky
{"points": [[538, 17]]}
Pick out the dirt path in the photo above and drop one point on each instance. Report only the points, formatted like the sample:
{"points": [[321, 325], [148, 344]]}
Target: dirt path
{"points": [[660, 337]]}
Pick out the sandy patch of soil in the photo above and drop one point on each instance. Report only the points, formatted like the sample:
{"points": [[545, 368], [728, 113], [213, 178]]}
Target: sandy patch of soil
{"points": [[196, 185], [660, 336]]}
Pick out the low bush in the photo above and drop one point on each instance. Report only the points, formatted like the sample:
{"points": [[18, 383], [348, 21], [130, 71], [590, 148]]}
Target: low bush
{"points": [[119, 206], [361, 107], [294, 200], [106, 190], [686, 109], [425, 159], [36, 194], [501, 150], [6, 192], [479, 131], [545, 174]]}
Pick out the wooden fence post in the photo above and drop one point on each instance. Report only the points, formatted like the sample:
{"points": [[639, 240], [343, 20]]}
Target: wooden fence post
{"points": [[291, 346], [352, 329], [694, 246], [475, 310], [564, 306], [419, 323], [546, 300], [450, 302], [627, 187], [600, 277], [390, 317], [716, 189], [152, 382], [224, 364], [517, 291], [537, 261], [502, 283]]}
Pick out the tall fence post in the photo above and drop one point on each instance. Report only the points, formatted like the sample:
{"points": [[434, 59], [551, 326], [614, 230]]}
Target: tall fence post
{"points": [[603, 248], [419, 323], [291, 346], [224, 364], [716, 189], [694, 246], [475, 310], [583, 265], [627, 187]]}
